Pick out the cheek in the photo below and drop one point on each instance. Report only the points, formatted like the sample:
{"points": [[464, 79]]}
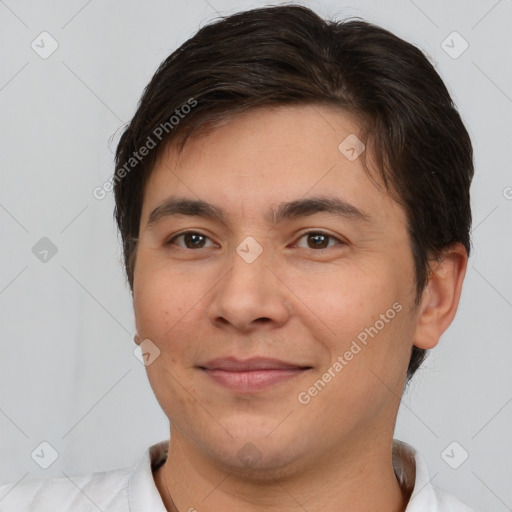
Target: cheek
{"points": [[345, 303], [161, 312], [158, 300], [365, 375], [166, 307], [152, 309], [362, 319]]}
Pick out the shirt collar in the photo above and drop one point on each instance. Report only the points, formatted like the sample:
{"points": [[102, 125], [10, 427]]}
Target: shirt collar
{"points": [[412, 474], [143, 493]]}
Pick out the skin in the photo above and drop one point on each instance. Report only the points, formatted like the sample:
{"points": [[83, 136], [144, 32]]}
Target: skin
{"points": [[295, 302]]}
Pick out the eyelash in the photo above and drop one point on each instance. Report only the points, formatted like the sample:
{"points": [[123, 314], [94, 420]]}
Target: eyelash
{"points": [[315, 232]]}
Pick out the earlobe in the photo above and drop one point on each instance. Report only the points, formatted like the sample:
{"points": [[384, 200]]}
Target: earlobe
{"points": [[441, 296]]}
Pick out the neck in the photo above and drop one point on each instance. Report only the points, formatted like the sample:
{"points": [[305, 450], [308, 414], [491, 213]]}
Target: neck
{"points": [[361, 479]]}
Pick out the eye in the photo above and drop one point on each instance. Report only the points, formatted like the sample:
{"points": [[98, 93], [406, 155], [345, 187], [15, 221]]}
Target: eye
{"points": [[319, 240], [195, 240], [192, 240]]}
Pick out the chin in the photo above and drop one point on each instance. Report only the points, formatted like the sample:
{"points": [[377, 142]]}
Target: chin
{"points": [[254, 445], [259, 459]]}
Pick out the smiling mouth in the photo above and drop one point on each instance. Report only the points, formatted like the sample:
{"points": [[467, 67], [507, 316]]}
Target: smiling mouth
{"points": [[252, 380], [251, 375]]}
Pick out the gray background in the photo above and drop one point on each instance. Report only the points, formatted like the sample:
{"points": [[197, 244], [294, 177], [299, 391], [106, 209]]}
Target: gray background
{"points": [[68, 375]]}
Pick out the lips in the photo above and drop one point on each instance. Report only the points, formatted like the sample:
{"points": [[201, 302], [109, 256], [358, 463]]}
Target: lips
{"points": [[232, 364], [251, 374]]}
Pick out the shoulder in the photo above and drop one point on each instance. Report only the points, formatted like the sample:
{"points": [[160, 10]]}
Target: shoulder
{"points": [[105, 490], [449, 503], [412, 473], [118, 490]]}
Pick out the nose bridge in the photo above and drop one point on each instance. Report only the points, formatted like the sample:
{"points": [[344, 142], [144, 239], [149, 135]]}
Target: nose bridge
{"points": [[248, 275], [249, 291]]}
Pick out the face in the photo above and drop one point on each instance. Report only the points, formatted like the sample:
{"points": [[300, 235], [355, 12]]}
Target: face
{"points": [[284, 337]]}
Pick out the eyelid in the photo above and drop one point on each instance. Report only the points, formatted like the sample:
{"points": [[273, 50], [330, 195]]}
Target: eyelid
{"points": [[170, 240], [321, 232]]}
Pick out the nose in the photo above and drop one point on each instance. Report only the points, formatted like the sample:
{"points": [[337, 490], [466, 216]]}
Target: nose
{"points": [[251, 296]]}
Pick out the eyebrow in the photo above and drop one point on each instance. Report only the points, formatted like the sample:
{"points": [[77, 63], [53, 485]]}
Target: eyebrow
{"points": [[175, 206]]}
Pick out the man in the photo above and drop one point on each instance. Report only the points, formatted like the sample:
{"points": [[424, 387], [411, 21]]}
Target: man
{"points": [[293, 199]]}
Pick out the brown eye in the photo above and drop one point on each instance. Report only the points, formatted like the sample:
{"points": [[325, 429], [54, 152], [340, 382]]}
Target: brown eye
{"points": [[319, 240], [191, 239]]}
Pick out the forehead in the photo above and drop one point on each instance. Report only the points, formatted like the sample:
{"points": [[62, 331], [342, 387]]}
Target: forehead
{"points": [[268, 156]]}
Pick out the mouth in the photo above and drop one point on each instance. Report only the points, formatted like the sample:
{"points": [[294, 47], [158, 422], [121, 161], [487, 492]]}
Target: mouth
{"points": [[253, 374]]}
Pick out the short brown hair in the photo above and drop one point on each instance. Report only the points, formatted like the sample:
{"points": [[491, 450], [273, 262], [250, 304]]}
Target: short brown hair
{"points": [[288, 55]]}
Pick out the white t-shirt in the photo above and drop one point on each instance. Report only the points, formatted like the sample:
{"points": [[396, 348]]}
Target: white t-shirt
{"points": [[134, 490]]}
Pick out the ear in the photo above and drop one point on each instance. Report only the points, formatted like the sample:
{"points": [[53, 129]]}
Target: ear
{"points": [[440, 297]]}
